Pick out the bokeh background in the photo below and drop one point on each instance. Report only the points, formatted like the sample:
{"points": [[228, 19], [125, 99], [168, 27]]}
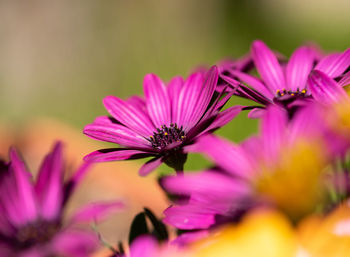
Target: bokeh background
{"points": [[58, 59]]}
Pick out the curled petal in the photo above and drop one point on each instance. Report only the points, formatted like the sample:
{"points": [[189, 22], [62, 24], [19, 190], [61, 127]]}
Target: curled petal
{"points": [[223, 118], [115, 154], [115, 133], [254, 83], [324, 89], [345, 80], [335, 64], [150, 166]]}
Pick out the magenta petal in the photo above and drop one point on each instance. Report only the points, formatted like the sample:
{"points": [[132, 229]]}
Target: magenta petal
{"points": [[188, 217], [188, 97], [202, 183], [254, 83], [150, 166], [327, 61], [189, 237], [223, 118], [157, 100], [230, 81], [129, 115], [268, 66], [206, 94], [138, 102], [49, 186], [74, 243], [174, 89], [24, 187], [334, 65], [223, 152], [96, 211], [345, 80], [299, 68], [308, 123], [274, 124], [115, 133], [324, 89], [11, 203], [144, 246], [115, 155], [256, 113]]}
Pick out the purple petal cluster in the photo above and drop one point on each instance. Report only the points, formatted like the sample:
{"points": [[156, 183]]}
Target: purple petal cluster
{"points": [[285, 83], [32, 213], [162, 123]]}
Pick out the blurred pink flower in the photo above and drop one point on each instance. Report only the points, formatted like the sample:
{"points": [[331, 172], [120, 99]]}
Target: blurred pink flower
{"points": [[287, 158], [31, 216]]}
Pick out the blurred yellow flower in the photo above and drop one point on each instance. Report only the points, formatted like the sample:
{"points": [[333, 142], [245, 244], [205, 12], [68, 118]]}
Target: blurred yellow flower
{"points": [[294, 182], [329, 236], [263, 233]]}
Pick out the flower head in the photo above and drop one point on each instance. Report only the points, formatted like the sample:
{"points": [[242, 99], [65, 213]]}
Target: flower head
{"points": [[287, 158], [161, 124], [31, 213], [283, 84]]}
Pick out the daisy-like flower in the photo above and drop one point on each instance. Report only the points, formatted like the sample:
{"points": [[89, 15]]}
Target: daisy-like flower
{"points": [[281, 167], [31, 213], [285, 84], [163, 123]]}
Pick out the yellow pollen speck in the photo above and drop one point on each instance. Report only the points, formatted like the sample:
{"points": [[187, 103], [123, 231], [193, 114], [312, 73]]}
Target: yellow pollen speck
{"points": [[303, 91], [292, 94], [165, 133], [278, 91]]}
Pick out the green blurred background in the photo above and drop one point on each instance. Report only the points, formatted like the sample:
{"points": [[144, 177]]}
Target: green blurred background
{"points": [[60, 58]]}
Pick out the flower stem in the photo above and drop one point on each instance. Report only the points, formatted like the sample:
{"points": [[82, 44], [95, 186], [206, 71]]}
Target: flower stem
{"points": [[179, 170]]}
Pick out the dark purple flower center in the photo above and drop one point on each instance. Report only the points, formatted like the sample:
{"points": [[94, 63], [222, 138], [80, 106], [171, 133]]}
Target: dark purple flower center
{"points": [[290, 93], [35, 233], [165, 136]]}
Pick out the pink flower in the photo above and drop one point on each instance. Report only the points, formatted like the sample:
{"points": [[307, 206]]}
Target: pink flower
{"points": [[286, 158], [161, 124], [31, 213], [285, 84]]}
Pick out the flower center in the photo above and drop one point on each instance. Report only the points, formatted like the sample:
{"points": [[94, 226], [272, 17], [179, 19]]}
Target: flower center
{"points": [[36, 233], [167, 135], [284, 92]]}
